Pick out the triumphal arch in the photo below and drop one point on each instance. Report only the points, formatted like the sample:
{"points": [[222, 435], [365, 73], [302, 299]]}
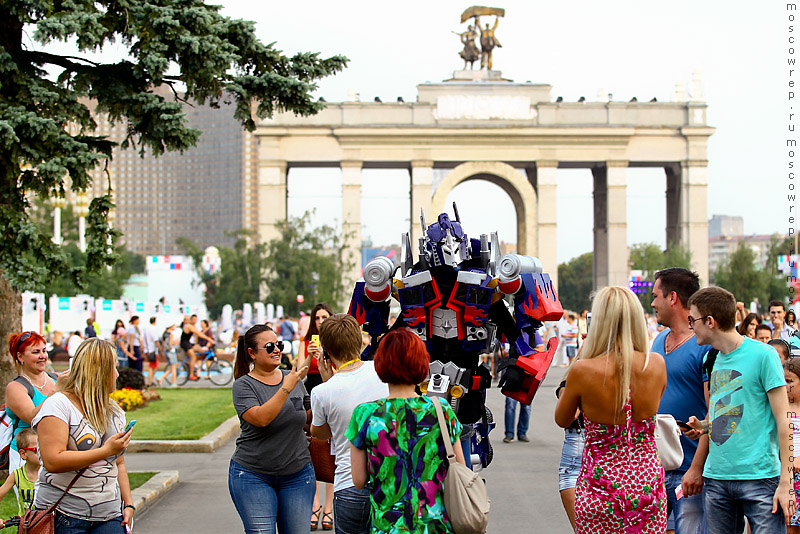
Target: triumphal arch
{"points": [[478, 125]]}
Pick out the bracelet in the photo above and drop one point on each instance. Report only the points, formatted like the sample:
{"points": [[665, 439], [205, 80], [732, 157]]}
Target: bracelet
{"points": [[132, 507], [286, 390]]}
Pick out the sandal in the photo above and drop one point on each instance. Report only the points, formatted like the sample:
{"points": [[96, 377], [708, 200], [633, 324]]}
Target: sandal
{"points": [[327, 521], [315, 518]]}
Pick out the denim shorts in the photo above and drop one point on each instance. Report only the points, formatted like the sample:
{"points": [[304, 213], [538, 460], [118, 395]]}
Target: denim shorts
{"points": [[571, 453], [172, 357]]}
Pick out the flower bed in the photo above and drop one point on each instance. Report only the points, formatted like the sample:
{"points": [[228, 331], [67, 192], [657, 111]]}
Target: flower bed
{"points": [[128, 398]]}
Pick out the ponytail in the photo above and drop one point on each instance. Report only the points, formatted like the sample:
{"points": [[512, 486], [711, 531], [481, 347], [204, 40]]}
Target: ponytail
{"points": [[241, 365]]}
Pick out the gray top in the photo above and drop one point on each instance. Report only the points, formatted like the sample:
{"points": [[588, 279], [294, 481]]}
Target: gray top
{"points": [[281, 447]]}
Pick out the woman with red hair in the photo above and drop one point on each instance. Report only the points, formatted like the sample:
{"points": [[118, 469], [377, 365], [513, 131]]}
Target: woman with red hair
{"points": [[26, 393], [397, 446]]}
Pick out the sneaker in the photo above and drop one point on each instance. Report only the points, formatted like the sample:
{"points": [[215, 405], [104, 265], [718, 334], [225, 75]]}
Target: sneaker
{"points": [[523, 439], [508, 439]]}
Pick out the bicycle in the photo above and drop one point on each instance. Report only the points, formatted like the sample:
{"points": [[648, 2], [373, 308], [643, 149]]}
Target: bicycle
{"points": [[218, 372]]}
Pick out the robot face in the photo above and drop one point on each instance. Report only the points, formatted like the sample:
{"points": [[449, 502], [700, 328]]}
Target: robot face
{"points": [[448, 244]]}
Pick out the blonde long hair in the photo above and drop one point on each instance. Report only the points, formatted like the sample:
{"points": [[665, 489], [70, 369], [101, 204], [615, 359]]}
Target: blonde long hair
{"points": [[91, 380], [618, 329]]}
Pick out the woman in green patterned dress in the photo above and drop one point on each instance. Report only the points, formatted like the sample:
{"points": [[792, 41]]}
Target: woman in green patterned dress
{"points": [[396, 445]]}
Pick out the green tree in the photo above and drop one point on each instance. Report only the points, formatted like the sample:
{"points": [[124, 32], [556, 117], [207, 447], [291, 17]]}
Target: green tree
{"points": [[575, 283], [649, 258], [240, 278], [47, 131], [741, 276], [305, 261]]}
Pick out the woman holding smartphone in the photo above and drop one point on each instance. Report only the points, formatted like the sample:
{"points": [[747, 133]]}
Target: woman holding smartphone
{"points": [[271, 478], [82, 434]]}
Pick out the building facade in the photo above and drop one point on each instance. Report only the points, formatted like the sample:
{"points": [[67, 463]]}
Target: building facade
{"points": [[202, 194]]}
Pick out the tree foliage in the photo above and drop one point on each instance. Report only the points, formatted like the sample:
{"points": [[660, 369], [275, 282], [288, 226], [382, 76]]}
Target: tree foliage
{"points": [[749, 281], [649, 258], [305, 261], [47, 131], [575, 283], [240, 278]]}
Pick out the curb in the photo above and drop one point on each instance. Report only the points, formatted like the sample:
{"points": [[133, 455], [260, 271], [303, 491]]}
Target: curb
{"points": [[208, 443], [151, 491]]}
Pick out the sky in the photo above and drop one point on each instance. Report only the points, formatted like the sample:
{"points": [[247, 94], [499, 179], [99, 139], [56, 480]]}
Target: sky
{"points": [[581, 48]]}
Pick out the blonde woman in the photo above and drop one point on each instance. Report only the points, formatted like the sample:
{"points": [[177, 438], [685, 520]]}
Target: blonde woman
{"points": [[80, 427], [617, 384]]}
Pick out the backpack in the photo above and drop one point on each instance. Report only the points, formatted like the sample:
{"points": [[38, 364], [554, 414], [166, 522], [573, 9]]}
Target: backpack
{"points": [[8, 427], [708, 365]]}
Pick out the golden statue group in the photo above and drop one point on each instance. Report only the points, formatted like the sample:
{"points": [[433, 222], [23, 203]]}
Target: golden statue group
{"points": [[471, 53]]}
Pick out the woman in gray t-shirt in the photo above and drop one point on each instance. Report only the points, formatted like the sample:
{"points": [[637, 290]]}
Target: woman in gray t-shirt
{"points": [[271, 478]]}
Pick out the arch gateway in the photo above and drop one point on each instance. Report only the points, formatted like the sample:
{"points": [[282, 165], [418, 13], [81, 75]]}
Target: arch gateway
{"points": [[479, 126]]}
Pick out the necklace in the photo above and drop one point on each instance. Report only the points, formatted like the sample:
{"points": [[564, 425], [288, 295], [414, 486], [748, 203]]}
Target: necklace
{"points": [[684, 340], [29, 379], [348, 363]]}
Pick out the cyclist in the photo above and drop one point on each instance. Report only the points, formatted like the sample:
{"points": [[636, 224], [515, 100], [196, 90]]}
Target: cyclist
{"points": [[192, 349]]}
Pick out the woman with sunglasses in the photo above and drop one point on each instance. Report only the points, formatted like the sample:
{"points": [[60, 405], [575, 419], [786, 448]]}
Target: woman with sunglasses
{"points": [[25, 394], [271, 478]]}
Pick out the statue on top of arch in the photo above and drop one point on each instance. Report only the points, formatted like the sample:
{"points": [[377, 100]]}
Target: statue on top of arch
{"points": [[488, 41], [458, 298]]}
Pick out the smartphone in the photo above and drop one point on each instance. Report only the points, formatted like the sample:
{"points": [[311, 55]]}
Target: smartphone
{"points": [[129, 425], [315, 338], [683, 425]]}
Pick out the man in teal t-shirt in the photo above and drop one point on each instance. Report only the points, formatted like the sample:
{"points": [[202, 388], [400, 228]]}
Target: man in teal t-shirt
{"points": [[748, 466]]}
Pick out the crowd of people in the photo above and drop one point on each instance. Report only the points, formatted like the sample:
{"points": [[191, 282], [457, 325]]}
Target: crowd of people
{"points": [[727, 377]]}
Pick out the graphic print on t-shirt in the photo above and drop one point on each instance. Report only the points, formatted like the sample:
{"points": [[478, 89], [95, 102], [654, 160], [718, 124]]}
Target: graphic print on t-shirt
{"points": [[727, 415]]}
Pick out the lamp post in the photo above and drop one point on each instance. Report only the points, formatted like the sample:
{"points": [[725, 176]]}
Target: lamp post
{"points": [[58, 203], [81, 210]]}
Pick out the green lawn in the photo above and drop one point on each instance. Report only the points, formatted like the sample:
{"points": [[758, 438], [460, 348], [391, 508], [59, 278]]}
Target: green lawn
{"points": [[8, 506], [183, 413]]}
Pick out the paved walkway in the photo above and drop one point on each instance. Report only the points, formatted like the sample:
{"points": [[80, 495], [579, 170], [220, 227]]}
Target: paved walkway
{"points": [[522, 480]]}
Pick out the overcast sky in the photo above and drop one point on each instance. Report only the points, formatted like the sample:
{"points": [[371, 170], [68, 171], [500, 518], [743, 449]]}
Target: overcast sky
{"points": [[628, 48]]}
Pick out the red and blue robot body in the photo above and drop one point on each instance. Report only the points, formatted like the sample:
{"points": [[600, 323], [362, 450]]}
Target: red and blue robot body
{"points": [[453, 299]]}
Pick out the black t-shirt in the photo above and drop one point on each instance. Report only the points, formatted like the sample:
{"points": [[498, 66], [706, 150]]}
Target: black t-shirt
{"points": [[280, 448]]}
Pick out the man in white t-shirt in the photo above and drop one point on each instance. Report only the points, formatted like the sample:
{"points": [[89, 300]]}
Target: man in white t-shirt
{"points": [[332, 404]]}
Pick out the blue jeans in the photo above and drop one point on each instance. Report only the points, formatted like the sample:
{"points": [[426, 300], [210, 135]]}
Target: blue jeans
{"points": [[726, 499], [571, 455], [263, 501], [511, 415], [688, 512], [351, 509], [69, 525]]}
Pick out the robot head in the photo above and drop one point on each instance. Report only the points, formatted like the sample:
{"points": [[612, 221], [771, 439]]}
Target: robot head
{"points": [[446, 243]]}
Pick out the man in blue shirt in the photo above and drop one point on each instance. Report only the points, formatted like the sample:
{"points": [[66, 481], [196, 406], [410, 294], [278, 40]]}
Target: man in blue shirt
{"points": [[686, 394], [749, 460]]}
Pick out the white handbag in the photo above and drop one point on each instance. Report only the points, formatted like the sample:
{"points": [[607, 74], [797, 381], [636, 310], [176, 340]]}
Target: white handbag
{"points": [[668, 441]]}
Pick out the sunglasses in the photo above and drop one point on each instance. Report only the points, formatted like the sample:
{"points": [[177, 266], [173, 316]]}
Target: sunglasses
{"points": [[24, 337], [270, 347], [32, 449]]}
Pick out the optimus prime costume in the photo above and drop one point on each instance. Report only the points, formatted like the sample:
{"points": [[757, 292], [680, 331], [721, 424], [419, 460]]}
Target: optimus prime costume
{"points": [[453, 298]]}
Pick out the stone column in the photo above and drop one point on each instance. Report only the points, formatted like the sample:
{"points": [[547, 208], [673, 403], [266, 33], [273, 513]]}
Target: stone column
{"points": [[694, 214], [546, 189], [673, 172], [421, 194], [600, 232], [272, 198], [351, 219], [610, 224], [617, 222]]}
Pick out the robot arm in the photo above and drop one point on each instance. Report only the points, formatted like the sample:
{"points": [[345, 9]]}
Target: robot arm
{"points": [[370, 302]]}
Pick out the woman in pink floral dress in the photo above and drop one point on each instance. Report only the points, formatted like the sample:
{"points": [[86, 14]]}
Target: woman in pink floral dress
{"points": [[618, 387]]}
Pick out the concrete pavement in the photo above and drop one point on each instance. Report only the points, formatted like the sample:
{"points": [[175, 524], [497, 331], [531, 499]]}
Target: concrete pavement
{"points": [[522, 480]]}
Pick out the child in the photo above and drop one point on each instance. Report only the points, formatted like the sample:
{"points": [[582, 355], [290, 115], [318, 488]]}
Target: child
{"points": [[26, 475], [791, 370]]}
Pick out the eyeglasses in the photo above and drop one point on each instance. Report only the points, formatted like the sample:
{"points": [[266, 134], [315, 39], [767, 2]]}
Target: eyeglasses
{"points": [[32, 449], [692, 320], [270, 347]]}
